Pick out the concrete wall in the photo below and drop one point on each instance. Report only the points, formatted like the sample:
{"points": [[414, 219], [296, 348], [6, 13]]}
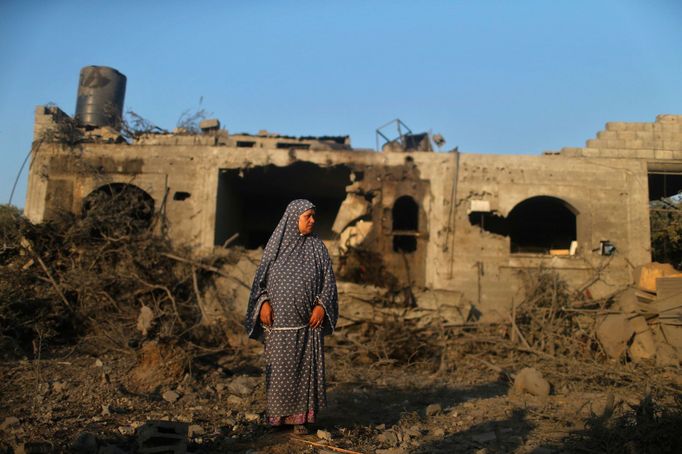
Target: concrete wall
{"points": [[606, 187]]}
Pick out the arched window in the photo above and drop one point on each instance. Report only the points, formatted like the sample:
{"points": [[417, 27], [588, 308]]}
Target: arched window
{"points": [[120, 208], [542, 224], [405, 224]]}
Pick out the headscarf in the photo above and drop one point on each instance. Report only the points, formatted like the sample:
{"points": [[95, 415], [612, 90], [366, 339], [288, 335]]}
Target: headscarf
{"points": [[286, 240]]}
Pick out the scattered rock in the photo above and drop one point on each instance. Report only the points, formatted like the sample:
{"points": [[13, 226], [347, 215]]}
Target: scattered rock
{"points": [[324, 435], [58, 387], [194, 430], [98, 363], [234, 400], [9, 422], [530, 380], [438, 432], [614, 332], [388, 437], [106, 410], [241, 386], [666, 355], [170, 396], [251, 417], [145, 319], [85, 443], [434, 409]]}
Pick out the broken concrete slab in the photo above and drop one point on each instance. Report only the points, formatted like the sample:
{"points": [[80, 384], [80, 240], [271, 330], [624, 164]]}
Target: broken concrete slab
{"points": [[530, 380], [614, 332], [355, 235], [645, 275], [666, 356], [352, 208]]}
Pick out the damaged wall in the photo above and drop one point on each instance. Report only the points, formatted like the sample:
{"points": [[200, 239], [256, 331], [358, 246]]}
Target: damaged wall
{"points": [[398, 206]]}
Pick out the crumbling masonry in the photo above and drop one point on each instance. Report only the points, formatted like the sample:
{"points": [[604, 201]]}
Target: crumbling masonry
{"points": [[460, 223]]}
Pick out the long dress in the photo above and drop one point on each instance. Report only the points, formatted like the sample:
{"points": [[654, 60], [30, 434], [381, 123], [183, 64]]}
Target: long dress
{"points": [[295, 274]]}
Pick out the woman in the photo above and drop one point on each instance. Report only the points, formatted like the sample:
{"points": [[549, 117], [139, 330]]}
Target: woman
{"points": [[292, 305]]}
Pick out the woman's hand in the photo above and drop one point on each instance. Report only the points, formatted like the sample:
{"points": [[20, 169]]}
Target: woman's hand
{"points": [[266, 314], [317, 317]]}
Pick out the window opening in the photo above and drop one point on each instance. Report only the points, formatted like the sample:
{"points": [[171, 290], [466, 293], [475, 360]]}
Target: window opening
{"points": [[405, 224], [541, 225], [250, 201]]}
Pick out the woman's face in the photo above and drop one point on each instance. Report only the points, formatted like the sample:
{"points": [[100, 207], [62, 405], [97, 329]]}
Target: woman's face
{"points": [[306, 222]]}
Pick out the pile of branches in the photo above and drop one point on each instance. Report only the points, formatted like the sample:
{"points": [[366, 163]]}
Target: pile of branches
{"points": [[553, 320], [104, 277]]}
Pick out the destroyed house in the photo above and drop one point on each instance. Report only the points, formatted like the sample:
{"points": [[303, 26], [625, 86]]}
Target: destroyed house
{"points": [[465, 224]]}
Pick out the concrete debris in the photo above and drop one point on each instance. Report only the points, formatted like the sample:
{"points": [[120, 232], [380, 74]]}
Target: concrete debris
{"points": [[234, 400], [194, 430], [167, 437], [170, 396], [530, 380], [324, 435], [389, 438], [666, 356], [614, 332], [242, 386], [209, 124], [144, 320], [646, 275], [9, 422], [252, 417], [354, 236], [352, 208], [434, 409]]}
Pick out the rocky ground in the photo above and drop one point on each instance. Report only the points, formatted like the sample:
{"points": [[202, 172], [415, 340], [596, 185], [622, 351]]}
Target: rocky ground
{"points": [[75, 400]]}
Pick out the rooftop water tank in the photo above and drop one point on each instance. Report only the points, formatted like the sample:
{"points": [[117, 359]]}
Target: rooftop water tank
{"points": [[101, 91]]}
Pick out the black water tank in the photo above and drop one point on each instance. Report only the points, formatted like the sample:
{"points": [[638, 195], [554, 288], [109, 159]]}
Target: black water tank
{"points": [[101, 91]]}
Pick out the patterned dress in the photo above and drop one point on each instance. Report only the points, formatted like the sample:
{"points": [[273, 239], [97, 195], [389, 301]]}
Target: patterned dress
{"points": [[295, 274]]}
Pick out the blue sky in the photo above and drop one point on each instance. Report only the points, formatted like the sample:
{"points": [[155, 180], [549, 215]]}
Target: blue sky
{"points": [[491, 76]]}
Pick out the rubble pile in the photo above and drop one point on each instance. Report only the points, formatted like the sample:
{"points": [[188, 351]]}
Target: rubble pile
{"points": [[106, 277]]}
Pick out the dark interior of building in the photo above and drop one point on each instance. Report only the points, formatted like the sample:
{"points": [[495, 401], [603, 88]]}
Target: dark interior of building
{"points": [[406, 222], [663, 185], [251, 201], [539, 224]]}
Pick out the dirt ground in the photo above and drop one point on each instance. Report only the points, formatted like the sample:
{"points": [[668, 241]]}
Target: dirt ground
{"points": [[375, 407]]}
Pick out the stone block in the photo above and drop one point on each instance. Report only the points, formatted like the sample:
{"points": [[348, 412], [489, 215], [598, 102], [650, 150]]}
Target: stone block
{"points": [[644, 135], [571, 151], [645, 276], [670, 145], [614, 332], [643, 153], [591, 152], [530, 380], [616, 126], [665, 154], [625, 135], [595, 143], [209, 124], [669, 118], [640, 126]]}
